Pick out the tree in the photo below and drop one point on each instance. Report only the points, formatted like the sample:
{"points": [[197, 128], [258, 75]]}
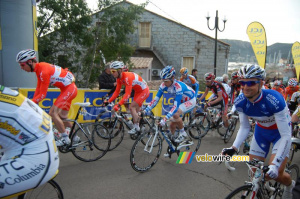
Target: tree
{"points": [[67, 36]]}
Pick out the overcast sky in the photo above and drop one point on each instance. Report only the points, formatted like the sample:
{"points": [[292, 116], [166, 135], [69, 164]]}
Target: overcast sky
{"points": [[281, 18]]}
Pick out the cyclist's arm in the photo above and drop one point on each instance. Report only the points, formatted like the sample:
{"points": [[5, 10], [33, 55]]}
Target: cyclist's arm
{"points": [[154, 102], [243, 132], [117, 91], [126, 96], [42, 88], [283, 120], [204, 94]]}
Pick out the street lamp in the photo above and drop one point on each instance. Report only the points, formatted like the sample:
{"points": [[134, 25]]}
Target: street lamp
{"points": [[216, 36]]}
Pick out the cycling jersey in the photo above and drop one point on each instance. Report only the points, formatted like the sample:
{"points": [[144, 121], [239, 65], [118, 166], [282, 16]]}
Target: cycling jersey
{"points": [[216, 87], [278, 89], [191, 82], [289, 91], [131, 81], [183, 94], [235, 91], [30, 155], [50, 74], [273, 123]]}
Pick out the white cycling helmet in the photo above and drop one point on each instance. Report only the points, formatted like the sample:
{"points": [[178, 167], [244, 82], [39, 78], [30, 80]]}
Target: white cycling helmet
{"points": [[25, 55], [219, 79], [117, 65], [293, 82], [252, 71]]}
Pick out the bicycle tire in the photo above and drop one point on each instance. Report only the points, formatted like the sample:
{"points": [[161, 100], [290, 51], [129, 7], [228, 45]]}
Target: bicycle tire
{"points": [[243, 192], [195, 133], [90, 147], [221, 129], [291, 154], [48, 190], [140, 160], [116, 133], [204, 123], [230, 130], [294, 171]]}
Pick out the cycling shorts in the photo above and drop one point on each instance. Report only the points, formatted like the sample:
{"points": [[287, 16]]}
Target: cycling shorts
{"points": [[66, 96], [140, 97], [188, 106], [223, 104], [28, 167], [262, 140], [297, 111]]}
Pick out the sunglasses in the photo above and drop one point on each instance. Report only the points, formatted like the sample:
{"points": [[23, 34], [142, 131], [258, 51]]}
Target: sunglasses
{"points": [[207, 80], [166, 80], [249, 83], [112, 71]]}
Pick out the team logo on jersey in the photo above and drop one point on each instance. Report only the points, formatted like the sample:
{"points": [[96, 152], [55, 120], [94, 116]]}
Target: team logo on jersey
{"points": [[24, 137], [177, 86]]}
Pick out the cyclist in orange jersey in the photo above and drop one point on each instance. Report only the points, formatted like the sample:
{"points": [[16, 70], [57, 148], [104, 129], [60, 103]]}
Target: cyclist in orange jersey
{"points": [[56, 76], [132, 81], [291, 88], [276, 87]]}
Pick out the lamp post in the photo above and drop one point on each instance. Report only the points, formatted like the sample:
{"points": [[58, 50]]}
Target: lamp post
{"points": [[216, 36]]}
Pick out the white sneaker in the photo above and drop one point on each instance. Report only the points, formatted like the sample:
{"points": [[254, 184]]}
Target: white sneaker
{"points": [[181, 138], [63, 141], [132, 131], [166, 155], [287, 192], [76, 139]]}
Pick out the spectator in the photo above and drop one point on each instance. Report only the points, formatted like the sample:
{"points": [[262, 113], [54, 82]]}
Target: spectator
{"points": [[106, 79], [194, 73], [225, 79]]}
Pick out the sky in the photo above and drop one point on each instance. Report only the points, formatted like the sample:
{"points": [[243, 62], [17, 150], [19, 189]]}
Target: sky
{"points": [[280, 18]]}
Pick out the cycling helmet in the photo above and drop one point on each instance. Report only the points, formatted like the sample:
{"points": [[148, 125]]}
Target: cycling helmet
{"points": [[252, 71], [184, 71], [167, 73], [219, 79], [209, 76], [117, 65], [277, 83], [234, 75], [293, 82], [25, 55]]}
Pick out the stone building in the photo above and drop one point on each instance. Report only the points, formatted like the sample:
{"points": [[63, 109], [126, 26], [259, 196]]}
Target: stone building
{"points": [[171, 43]]}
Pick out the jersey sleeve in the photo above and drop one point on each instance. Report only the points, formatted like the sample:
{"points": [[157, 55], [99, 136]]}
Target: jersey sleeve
{"points": [[160, 92], [117, 91], [42, 87]]}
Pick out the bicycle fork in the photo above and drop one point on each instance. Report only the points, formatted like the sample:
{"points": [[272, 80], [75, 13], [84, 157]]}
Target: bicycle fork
{"points": [[152, 144]]}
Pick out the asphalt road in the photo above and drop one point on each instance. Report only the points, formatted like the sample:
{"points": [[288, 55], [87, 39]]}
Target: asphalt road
{"points": [[113, 177]]}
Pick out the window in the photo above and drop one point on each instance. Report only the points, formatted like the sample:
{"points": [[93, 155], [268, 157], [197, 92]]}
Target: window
{"points": [[188, 62], [145, 34]]}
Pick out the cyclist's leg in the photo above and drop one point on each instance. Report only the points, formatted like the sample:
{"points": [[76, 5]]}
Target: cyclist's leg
{"points": [[27, 168], [224, 106]]}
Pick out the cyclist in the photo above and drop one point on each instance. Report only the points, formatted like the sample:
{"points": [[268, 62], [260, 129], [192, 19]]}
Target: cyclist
{"points": [[225, 85], [191, 81], [235, 87], [132, 81], [56, 76], [273, 121], [291, 88], [220, 95], [184, 102], [277, 88], [30, 157]]}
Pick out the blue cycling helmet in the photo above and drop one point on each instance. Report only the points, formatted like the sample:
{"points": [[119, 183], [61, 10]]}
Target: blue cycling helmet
{"points": [[167, 73], [252, 71]]}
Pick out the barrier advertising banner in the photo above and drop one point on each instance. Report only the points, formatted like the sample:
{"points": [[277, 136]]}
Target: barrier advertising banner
{"points": [[296, 57], [257, 35]]}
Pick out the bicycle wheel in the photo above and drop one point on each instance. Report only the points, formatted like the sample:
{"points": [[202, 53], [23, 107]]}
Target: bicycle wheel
{"points": [[221, 128], [143, 156], [202, 121], [48, 190], [195, 133], [116, 130], [294, 172], [291, 154], [230, 130], [92, 144], [243, 192]]}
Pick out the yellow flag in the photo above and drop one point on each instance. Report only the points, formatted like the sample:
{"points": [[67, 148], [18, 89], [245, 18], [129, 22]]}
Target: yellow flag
{"points": [[257, 35], [296, 57]]}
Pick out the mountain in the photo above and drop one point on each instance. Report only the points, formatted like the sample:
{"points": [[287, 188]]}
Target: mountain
{"points": [[241, 51]]}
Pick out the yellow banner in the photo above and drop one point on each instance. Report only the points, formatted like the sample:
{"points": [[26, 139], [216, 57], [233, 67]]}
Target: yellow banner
{"points": [[257, 35], [34, 18], [296, 57]]}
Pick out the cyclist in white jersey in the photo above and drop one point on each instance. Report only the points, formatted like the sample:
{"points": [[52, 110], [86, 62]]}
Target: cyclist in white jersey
{"points": [[273, 125], [30, 156]]}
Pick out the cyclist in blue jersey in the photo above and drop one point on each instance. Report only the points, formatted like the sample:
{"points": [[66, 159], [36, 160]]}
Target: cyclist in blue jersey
{"points": [[273, 125], [184, 101]]}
